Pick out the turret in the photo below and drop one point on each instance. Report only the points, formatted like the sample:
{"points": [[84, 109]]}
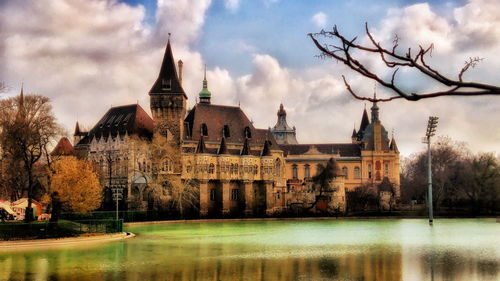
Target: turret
{"points": [[205, 94]]}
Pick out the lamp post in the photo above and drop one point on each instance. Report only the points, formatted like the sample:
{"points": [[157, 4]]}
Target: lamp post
{"points": [[431, 129]]}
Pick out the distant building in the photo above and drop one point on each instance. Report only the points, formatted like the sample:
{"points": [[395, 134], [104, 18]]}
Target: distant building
{"points": [[240, 170]]}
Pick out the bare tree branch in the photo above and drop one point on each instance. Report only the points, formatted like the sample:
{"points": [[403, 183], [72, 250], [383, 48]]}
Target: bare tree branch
{"points": [[343, 50]]}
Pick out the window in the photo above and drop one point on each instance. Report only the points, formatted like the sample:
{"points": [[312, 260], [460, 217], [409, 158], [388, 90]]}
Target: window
{"points": [[211, 168], [357, 173], [278, 195], [234, 169], [255, 169], [234, 194], [248, 133], [307, 171], [188, 167], [204, 130], [345, 171], [386, 169], [294, 171], [212, 194], [166, 84], [369, 171], [225, 131], [277, 167]]}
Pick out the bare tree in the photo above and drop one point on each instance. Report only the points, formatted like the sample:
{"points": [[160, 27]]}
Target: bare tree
{"points": [[27, 124], [346, 50]]}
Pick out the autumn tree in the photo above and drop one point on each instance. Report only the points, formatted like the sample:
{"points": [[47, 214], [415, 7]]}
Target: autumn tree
{"points": [[27, 126], [333, 44], [74, 186]]}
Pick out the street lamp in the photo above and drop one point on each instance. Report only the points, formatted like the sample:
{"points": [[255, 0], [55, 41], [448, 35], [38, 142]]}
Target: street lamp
{"points": [[431, 129]]}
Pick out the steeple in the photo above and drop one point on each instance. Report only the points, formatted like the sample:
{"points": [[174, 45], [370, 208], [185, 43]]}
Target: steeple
{"points": [[281, 131], [205, 93], [77, 129], [354, 135], [375, 109], [266, 151], [167, 81], [21, 95], [393, 146]]}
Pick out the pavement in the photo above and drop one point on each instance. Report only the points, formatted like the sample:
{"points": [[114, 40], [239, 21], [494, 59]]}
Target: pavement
{"points": [[48, 243]]}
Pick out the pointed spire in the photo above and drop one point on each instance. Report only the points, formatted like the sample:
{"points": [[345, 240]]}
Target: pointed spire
{"points": [[167, 81], [266, 151], [222, 147], [374, 108], [364, 121], [246, 148], [393, 146], [77, 129], [21, 95], [201, 146], [205, 94], [354, 133]]}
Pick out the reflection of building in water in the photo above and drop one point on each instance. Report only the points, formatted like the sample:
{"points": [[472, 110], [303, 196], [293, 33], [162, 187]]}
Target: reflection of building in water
{"points": [[240, 170]]}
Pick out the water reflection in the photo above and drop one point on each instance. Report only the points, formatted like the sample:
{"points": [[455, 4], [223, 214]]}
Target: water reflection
{"points": [[269, 251]]}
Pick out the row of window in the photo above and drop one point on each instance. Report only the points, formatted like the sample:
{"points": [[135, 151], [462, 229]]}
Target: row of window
{"points": [[345, 171], [225, 131], [235, 168]]}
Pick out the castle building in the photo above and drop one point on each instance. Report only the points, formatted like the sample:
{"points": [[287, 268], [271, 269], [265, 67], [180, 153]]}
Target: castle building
{"points": [[238, 170]]}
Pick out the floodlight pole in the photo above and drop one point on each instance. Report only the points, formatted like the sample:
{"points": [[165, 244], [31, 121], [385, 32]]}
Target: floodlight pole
{"points": [[431, 129]]}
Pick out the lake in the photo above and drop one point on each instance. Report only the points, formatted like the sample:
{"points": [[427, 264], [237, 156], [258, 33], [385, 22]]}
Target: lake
{"points": [[343, 249]]}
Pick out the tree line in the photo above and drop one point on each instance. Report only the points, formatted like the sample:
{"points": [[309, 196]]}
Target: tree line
{"points": [[464, 183]]}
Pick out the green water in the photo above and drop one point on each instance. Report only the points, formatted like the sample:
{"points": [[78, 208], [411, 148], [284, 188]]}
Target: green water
{"points": [[407, 249]]}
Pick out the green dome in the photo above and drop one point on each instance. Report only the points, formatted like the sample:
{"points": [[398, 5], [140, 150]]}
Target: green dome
{"points": [[205, 93]]}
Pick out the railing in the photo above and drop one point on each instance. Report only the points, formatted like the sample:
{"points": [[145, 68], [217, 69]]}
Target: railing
{"points": [[63, 228]]}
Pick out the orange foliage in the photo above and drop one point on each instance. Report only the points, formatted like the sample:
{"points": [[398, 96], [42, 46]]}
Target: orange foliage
{"points": [[77, 184]]}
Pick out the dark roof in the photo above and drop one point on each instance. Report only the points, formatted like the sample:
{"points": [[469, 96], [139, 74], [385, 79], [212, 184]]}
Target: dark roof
{"points": [[63, 148], [354, 134], [126, 119], [215, 117], [369, 138], [364, 123], [393, 146], [168, 74], [345, 149]]}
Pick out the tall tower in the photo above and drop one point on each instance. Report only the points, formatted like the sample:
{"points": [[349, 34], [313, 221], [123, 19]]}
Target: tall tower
{"points": [[168, 100], [281, 131]]}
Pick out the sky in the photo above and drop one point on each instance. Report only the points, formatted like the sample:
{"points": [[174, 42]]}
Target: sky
{"points": [[89, 55]]}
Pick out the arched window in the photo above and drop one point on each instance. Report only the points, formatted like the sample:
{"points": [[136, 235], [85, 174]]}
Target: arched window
{"points": [[357, 173], [277, 167], [255, 169], [225, 131], [248, 133], [307, 171], [345, 172], [211, 168], [369, 171], [295, 173], [386, 169], [188, 167], [204, 130]]}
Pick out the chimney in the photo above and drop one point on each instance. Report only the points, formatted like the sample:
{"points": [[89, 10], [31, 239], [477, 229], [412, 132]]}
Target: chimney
{"points": [[180, 63]]}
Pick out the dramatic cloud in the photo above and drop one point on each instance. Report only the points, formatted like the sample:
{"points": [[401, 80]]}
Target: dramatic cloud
{"points": [[87, 55], [319, 19]]}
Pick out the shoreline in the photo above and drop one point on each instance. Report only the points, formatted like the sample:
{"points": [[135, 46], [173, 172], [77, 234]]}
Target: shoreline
{"points": [[295, 219], [59, 242]]}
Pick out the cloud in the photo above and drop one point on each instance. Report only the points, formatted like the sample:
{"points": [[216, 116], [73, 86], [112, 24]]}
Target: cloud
{"points": [[232, 5], [319, 19], [108, 55]]}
